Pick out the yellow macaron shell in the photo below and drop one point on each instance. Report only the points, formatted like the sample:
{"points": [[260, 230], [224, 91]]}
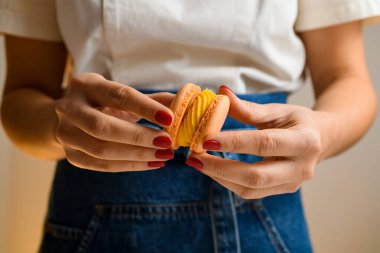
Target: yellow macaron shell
{"points": [[194, 116]]}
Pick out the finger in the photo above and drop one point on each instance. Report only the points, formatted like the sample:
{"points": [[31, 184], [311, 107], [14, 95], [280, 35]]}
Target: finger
{"points": [[249, 193], [164, 98], [267, 142], [127, 116], [259, 175], [102, 92], [109, 128], [74, 138], [83, 160], [252, 113]]}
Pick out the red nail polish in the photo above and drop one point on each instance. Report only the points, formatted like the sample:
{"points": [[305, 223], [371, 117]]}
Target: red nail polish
{"points": [[164, 154], [226, 87], [195, 163], [156, 164], [164, 118], [211, 145], [162, 142]]}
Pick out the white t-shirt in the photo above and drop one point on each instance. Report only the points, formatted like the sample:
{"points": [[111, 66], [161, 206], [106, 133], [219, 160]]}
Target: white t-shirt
{"points": [[250, 45]]}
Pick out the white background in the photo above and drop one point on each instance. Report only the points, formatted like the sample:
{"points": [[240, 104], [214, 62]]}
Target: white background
{"points": [[342, 203]]}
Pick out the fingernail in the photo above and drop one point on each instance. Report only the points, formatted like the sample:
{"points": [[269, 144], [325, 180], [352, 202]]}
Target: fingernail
{"points": [[195, 163], [226, 87], [162, 142], [164, 154], [164, 118], [211, 145], [156, 164]]}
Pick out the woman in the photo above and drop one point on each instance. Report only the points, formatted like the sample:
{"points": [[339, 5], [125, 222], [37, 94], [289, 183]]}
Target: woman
{"points": [[127, 55]]}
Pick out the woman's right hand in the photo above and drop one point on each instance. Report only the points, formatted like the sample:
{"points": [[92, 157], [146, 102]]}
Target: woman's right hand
{"points": [[97, 126]]}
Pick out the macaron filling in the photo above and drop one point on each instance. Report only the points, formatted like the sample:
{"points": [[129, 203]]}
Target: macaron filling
{"points": [[194, 116]]}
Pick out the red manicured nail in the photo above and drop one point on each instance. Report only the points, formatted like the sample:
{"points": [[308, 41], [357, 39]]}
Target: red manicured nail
{"points": [[195, 163], [156, 164], [164, 118], [226, 87], [211, 145], [164, 154], [162, 142]]}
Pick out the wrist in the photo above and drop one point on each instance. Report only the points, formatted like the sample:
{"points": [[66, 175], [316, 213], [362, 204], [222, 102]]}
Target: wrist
{"points": [[330, 133]]}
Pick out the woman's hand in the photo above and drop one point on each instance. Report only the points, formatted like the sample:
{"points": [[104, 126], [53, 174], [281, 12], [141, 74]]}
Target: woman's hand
{"points": [[289, 138], [97, 126]]}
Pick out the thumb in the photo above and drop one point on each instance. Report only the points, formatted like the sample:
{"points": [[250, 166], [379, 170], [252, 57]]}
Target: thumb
{"points": [[249, 112]]}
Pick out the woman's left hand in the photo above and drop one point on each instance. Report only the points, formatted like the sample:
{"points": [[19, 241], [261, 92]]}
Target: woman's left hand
{"points": [[289, 138]]}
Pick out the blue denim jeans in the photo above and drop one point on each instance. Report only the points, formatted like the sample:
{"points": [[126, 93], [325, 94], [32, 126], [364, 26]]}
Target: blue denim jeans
{"points": [[172, 209]]}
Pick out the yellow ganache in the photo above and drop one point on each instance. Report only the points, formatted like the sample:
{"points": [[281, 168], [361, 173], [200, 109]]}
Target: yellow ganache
{"points": [[194, 116]]}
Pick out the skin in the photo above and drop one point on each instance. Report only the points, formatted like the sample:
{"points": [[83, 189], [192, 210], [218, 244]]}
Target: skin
{"points": [[293, 139], [93, 125]]}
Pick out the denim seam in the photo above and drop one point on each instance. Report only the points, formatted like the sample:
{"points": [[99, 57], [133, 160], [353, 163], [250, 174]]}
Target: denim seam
{"points": [[236, 225], [212, 219], [233, 210], [248, 208], [89, 233], [63, 232], [271, 229], [179, 215], [160, 210], [108, 206]]}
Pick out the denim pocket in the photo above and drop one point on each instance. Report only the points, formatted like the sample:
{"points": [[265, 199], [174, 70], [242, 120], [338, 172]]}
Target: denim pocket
{"points": [[60, 238], [174, 227]]}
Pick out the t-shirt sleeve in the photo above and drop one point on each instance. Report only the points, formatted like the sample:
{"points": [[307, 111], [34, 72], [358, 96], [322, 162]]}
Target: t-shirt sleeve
{"points": [[314, 14], [34, 19]]}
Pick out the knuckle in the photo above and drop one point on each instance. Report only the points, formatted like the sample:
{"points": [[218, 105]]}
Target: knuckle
{"points": [[60, 108], [99, 126], [62, 133], [141, 155], [69, 156], [120, 95], [245, 193], [133, 166], [308, 173], [256, 179], [100, 151], [100, 164], [137, 137], [235, 143], [59, 138], [217, 170], [266, 144], [63, 108], [250, 110], [84, 78], [59, 131], [293, 188], [73, 161], [144, 109], [73, 158], [312, 140], [77, 80], [257, 195]]}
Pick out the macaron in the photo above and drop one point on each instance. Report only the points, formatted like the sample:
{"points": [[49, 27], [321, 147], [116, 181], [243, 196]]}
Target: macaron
{"points": [[197, 114]]}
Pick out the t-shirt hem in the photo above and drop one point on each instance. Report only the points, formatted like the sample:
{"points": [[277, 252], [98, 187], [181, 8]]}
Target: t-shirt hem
{"points": [[36, 27], [366, 11]]}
